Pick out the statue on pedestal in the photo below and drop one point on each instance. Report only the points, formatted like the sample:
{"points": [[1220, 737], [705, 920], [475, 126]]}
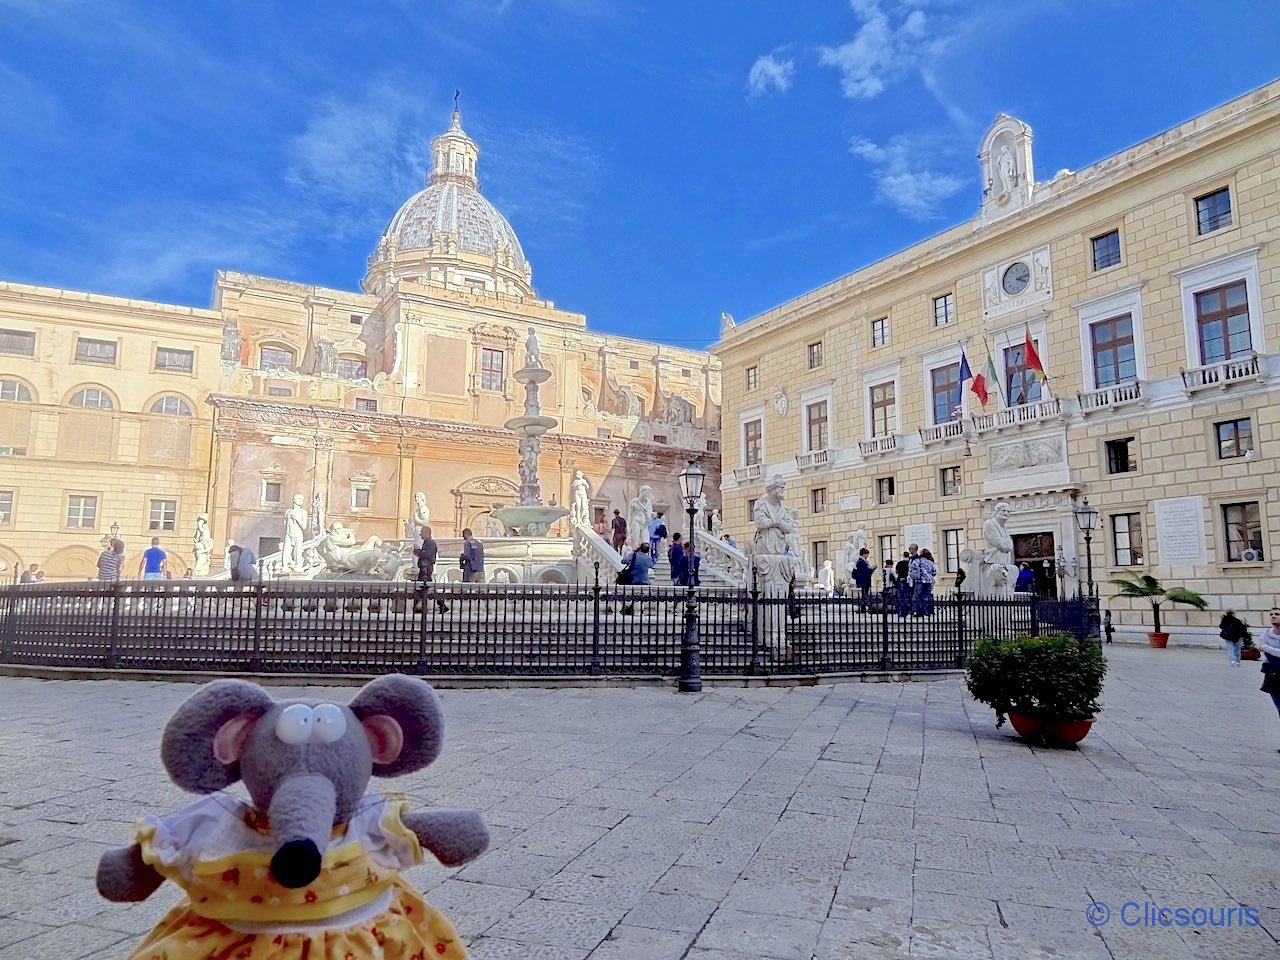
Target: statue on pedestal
{"points": [[827, 578], [201, 547], [777, 558], [421, 517], [638, 513], [717, 525], [992, 571], [317, 514], [850, 551], [532, 353], [579, 500], [296, 520]]}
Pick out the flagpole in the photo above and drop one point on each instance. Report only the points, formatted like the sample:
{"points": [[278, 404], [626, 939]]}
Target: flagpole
{"points": [[999, 385]]}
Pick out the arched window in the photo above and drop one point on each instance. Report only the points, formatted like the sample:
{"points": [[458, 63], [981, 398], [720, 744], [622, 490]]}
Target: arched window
{"points": [[13, 390], [92, 398], [276, 358], [171, 407]]}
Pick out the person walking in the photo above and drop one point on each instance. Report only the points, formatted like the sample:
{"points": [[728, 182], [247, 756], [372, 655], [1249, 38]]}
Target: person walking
{"points": [[618, 525], [675, 558], [1026, 581], [1271, 651], [1107, 627], [111, 561], [639, 563], [472, 559], [923, 574], [862, 572], [154, 562], [242, 563], [657, 532], [426, 555], [1233, 632]]}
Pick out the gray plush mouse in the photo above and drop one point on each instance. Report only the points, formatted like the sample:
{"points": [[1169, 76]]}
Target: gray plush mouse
{"points": [[311, 868]]}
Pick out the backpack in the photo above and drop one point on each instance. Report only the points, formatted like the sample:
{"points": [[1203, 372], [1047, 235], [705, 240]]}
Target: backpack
{"points": [[661, 532]]}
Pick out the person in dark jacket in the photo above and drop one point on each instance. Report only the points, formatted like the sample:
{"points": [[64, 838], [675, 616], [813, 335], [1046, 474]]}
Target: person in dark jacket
{"points": [[426, 555], [1026, 582], [902, 585], [1233, 632], [618, 525], [243, 564], [677, 559], [862, 573]]}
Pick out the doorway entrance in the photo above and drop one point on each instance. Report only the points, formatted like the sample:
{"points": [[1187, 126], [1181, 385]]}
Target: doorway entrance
{"points": [[1037, 550]]}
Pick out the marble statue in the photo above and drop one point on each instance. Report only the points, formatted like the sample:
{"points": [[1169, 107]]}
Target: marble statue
{"points": [[726, 323], [579, 500], [421, 518], [201, 547], [317, 514], [992, 571], [717, 525], [850, 551], [341, 553], [296, 521], [638, 513], [532, 353], [827, 578], [776, 557], [493, 528], [1006, 169], [700, 513]]}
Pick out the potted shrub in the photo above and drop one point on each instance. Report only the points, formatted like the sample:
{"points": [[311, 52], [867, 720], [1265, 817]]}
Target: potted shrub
{"points": [[1147, 587], [1047, 686]]}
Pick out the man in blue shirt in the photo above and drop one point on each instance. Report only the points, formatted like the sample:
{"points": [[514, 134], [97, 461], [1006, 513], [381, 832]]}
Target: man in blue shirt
{"points": [[657, 531], [154, 563]]}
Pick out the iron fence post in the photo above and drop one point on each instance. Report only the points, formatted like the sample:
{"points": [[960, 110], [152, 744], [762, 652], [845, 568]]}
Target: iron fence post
{"points": [[1035, 615], [962, 647], [10, 627], [113, 637], [421, 600], [884, 631], [255, 661], [756, 667], [595, 622]]}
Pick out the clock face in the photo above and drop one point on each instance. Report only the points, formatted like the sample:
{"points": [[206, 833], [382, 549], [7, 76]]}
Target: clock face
{"points": [[1016, 278]]}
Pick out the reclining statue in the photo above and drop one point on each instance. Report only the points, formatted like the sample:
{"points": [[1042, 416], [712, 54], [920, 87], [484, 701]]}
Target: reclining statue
{"points": [[341, 553]]}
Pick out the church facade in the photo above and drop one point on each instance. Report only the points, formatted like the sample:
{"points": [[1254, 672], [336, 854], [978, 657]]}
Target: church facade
{"points": [[144, 416], [1122, 323]]}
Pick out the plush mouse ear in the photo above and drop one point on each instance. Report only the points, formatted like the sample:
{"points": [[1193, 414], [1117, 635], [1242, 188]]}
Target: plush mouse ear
{"points": [[405, 709], [203, 740]]}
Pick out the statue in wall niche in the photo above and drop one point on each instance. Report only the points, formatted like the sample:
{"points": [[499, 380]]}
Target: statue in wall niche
{"points": [[296, 520], [232, 342], [639, 510], [201, 547], [532, 353], [1006, 169], [579, 500], [325, 357], [420, 518], [777, 559]]}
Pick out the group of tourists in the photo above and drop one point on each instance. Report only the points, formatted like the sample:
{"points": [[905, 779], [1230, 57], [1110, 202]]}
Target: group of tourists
{"points": [[427, 554], [153, 564], [909, 582]]}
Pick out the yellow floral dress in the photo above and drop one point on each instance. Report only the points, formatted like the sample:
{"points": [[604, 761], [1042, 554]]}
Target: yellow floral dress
{"points": [[219, 851]]}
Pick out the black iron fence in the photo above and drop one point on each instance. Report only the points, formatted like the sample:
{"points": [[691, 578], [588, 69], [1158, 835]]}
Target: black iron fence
{"points": [[499, 629]]}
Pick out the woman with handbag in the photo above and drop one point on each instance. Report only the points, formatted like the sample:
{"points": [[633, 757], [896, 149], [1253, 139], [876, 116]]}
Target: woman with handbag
{"points": [[1271, 661], [1233, 632]]}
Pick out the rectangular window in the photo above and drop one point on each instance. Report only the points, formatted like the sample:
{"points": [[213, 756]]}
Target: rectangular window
{"points": [[686, 372], [751, 509], [815, 355], [1126, 539], [6, 508], [1222, 323], [20, 342], [944, 310], [820, 555], [352, 368], [1242, 524], [752, 442], [816, 425], [275, 358], [880, 332], [944, 386], [884, 489], [818, 499], [753, 378], [1021, 383], [633, 364], [279, 391], [659, 438], [357, 319], [1119, 455], [82, 512], [949, 481], [492, 370], [272, 491], [1106, 250], [952, 546], [173, 360], [360, 498], [713, 446], [883, 409], [163, 515], [1235, 438], [888, 548], [96, 351], [1213, 211], [366, 405], [604, 433], [1114, 360]]}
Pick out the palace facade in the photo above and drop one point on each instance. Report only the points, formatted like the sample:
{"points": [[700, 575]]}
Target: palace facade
{"points": [[141, 416], [1148, 284]]}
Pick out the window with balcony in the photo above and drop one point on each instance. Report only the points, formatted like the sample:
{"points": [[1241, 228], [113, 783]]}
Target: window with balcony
{"points": [[752, 442], [814, 353], [1114, 359], [880, 332], [276, 358], [815, 415], [1120, 455], [944, 310], [1213, 211], [1022, 385], [1106, 250], [1242, 528], [818, 500], [353, 368], [82, 512], [1235, 438], [162, 515], [884, 409], [96, 351], [1126, 539], [884, 490], [753, 378], [493, 370], [21, 343], [944, 387], [173, 360], [952, 546], [1222, 323], [949, 481]]}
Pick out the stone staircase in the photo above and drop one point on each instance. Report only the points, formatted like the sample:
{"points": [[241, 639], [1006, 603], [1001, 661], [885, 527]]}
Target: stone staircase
{"points": [[660, 575]]}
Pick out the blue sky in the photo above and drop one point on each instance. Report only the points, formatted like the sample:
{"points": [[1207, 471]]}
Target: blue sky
{"points": [[661, 161]]}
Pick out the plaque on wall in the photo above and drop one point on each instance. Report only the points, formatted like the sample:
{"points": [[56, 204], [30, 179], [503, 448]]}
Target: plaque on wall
{"points": [[1180, 530], [919, 533], [852, 502]]}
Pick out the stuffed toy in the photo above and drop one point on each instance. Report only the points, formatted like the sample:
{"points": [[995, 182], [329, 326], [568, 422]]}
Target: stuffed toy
{"points": [[309, 868]]}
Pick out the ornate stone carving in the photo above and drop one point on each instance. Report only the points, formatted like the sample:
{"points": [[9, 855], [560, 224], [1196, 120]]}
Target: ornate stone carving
{"points": [[781, 402], [1041, 452]]}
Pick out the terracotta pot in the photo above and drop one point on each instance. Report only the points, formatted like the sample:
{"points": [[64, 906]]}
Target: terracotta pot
{"points": [[1158, 640], [1253, 653], [1027, 725], [1067, 733]]}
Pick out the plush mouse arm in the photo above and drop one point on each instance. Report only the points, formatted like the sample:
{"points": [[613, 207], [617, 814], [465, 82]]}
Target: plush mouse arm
{"points": [[455, 837], [123, 876]]}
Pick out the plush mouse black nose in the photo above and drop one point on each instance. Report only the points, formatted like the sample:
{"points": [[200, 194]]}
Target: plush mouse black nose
{"points": [[296, 864]]}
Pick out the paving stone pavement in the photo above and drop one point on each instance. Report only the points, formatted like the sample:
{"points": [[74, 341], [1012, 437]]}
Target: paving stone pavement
{"points": [[868, 821]]}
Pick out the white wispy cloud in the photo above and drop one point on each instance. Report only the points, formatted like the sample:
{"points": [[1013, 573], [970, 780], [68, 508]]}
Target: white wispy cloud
{"points": [[768, 74], [904, 177], [893, 40]]}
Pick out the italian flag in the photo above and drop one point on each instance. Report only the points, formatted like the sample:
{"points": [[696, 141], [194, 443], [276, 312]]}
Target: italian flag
{"points": [[984, 381]]}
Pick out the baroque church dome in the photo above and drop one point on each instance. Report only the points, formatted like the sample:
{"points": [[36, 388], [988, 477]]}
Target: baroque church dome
{"points": [[449, 233]]}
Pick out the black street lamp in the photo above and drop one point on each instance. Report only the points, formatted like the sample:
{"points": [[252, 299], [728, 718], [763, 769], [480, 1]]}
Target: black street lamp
{"points": [[1086, 520], [691, 481]]}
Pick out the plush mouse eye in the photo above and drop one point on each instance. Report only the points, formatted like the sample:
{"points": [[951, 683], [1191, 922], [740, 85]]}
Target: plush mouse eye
{"points": [[330, 723], [294, 725]]}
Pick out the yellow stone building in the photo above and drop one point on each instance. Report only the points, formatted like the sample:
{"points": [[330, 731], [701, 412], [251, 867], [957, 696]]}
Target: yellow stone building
{"points": [[146, 415], [1149, 286]]}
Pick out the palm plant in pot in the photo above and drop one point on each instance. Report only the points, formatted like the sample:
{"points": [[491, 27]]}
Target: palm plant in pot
{"points": [[1047, 686], [1146, 587]]}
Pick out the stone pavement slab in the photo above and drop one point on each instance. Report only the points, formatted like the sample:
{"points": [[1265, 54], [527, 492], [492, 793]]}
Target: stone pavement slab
{"points": [[867, 821]]}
